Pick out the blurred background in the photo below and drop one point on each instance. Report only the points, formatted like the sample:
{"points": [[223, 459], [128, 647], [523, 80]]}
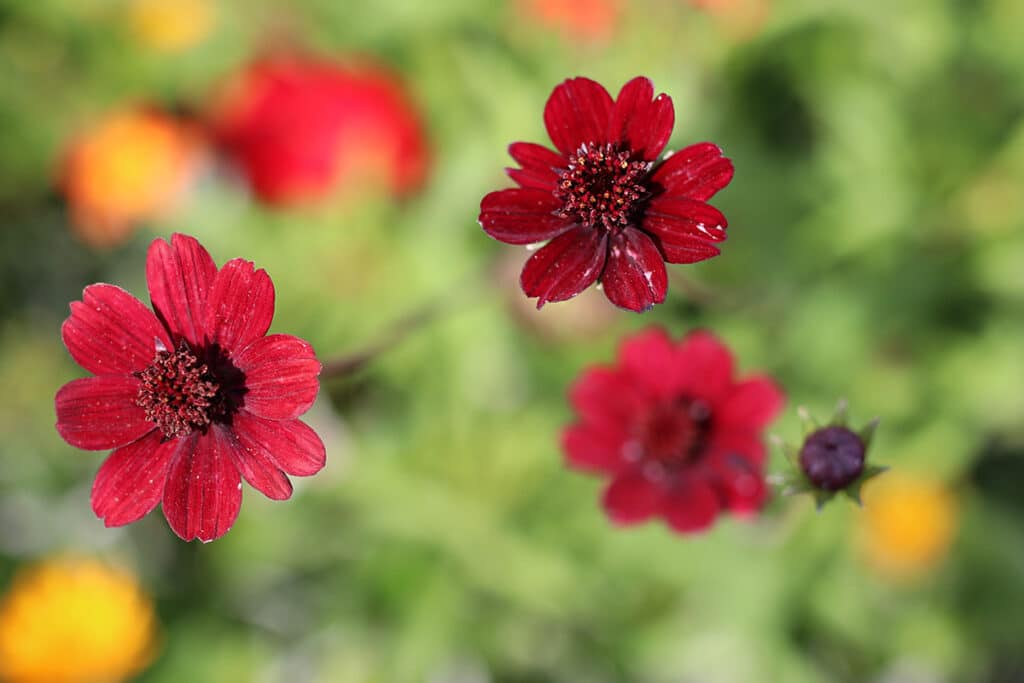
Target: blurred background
{"points": [[875, 252]]}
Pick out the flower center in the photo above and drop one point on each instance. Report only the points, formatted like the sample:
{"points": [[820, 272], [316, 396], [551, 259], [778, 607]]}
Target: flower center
{"points": [[600, 186], [832, 458], [179, 393], [673, 433]]}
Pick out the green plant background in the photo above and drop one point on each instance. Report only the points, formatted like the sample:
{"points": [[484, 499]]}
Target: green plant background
{"points": [[875, 252]]}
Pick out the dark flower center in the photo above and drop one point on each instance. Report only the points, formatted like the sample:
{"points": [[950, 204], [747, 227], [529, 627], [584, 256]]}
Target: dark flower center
{"points": [[832, 458], [673, 433], [181, 394], [601, 186]]}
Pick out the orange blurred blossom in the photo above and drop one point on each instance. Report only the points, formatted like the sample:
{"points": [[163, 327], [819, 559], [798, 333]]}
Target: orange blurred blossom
{"points": [[75, 621]]}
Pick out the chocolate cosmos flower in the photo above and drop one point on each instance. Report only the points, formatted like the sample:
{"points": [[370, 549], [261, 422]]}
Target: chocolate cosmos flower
{"points": [[192, 398], [676, 433], [610, 210]]}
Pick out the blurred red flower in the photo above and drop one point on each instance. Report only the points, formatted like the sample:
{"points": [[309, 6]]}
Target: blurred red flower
{"points": [[193, 397], [610, 210], [299, 129], [128, 168], [672, 428]]}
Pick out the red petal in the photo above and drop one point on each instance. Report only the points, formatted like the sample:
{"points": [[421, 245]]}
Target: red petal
{"points": [[692, 506], [565, 266], [131, 481], [683, 228], [593, 448], [696, 172], [180, 275], [704, 367], [112, 332], [649, 359], [540, 166], [634, 277], [280, 376], [752, 404], [204, 490], [241, 305], [605, 396], [259, 468], [97, 413], [521, 216], [632, 498], [739, 482], [577, 113], [642, 124], [291, 444], [726, 443]]}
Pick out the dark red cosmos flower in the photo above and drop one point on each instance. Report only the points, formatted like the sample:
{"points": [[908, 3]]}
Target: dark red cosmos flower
{"points": [[300, 128], [610, 210], [678, 435], [191, 398]]}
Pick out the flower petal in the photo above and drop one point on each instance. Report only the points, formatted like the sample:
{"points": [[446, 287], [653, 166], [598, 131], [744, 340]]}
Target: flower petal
{"points": [[540, 166], [740, 483], [577, 113], [204, 490], [565, 266], [606, 396], [752, 403], [180, 275], [594, 448], [705, 367], [131, 481], [634, 277], [292, 445], [241, 305], [111, 332], [642, 124], [259, 469], [696, 172], [280, 376], [683, 228], [649, 359], [632, 498], [692, 506], [522, 216], [97, 413]]}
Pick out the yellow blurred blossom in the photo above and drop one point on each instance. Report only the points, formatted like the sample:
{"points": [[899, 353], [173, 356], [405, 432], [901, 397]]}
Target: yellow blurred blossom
{"points": [[131, 167], [75, 621], [171, 25], [907, 525]]}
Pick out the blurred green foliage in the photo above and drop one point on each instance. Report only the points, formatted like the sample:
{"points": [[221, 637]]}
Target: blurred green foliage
{"points": [[876, 252]]}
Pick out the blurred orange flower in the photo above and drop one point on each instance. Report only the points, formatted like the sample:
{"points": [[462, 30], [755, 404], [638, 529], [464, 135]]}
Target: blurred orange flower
{"points": [[75, 621], [300, 128], [171, 25], [128, 168], [594, 20], [741, 19], [908, 524]]}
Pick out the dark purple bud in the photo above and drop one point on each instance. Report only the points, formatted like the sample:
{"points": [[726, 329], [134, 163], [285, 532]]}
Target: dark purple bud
{"points": [[832, 458]]}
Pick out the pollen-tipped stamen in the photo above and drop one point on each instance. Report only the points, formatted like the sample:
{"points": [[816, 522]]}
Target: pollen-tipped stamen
{"points": [[178, 393], [601, 186]]}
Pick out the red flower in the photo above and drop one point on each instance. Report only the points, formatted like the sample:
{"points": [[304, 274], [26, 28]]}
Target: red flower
{"points": [[299, 129], [192, 398], [677, 434], [611, 212]]}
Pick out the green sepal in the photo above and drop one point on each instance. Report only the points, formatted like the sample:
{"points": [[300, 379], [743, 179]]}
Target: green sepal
{"points": [[867, 432], [839, 417], [853, 490]]}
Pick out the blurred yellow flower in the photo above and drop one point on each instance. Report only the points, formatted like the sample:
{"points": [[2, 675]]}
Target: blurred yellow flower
{"points": [[907, 525], [75, 621], [128, 168], [171, 25]]}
